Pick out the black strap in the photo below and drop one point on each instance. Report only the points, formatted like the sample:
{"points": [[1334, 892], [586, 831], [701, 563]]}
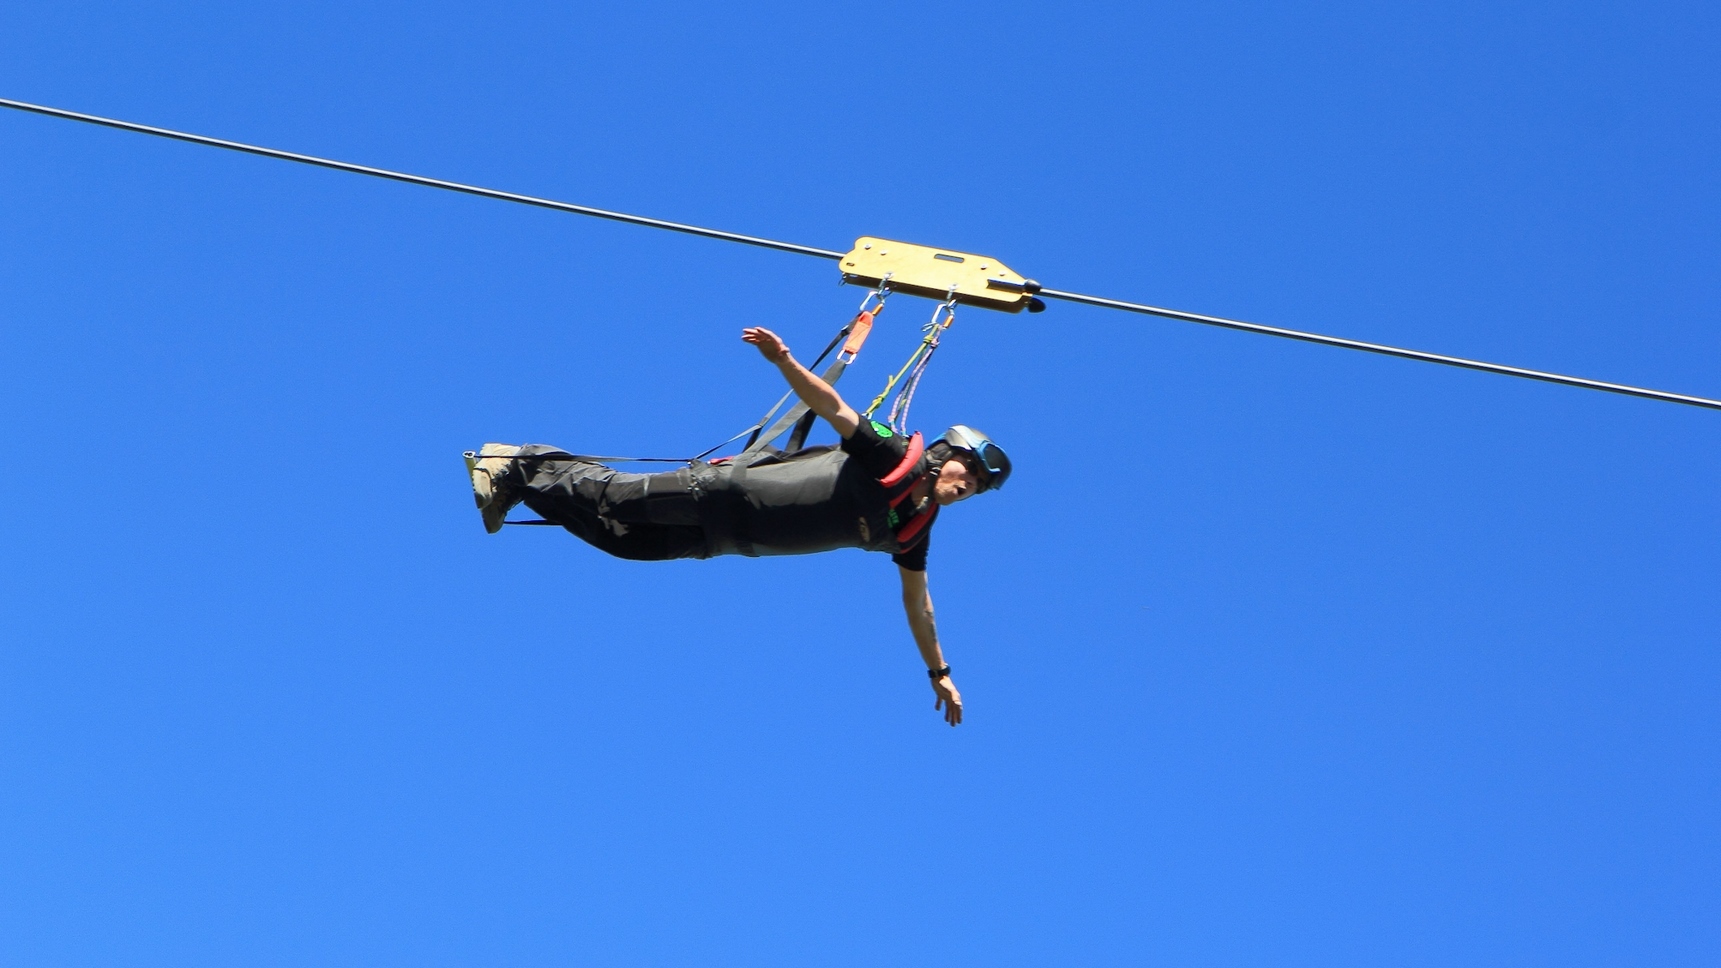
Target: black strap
{"points": [[756, 442], [798, 436], [734, 523], [830, 376]]}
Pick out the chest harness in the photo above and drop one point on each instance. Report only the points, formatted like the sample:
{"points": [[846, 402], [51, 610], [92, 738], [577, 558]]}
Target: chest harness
{"points": [[909, 525]]}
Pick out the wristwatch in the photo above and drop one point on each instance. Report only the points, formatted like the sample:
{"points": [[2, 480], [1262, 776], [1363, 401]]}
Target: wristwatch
{"points": [[937, 674]]}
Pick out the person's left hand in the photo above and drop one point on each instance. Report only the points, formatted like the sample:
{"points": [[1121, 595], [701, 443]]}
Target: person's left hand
{"points": [[771, 346], [948, 699]]}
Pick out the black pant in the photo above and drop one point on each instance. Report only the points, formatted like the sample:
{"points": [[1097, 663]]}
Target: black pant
{"points": [[645, 517]]}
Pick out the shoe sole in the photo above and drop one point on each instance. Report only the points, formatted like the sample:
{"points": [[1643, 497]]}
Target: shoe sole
{"points": [[479, 465]]}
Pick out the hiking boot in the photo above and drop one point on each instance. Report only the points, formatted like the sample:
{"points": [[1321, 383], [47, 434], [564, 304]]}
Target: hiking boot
{"points": [[489, 469]]}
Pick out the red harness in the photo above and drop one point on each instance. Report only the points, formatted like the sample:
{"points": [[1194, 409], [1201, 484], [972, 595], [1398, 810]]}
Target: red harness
{"points": [[909, 533]]}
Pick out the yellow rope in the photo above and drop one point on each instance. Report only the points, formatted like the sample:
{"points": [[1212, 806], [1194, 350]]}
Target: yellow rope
{"points": [[930, 337]]}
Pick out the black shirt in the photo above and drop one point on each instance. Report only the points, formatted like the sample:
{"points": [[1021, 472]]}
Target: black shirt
{"points": [[815, 499], [879, 450]]}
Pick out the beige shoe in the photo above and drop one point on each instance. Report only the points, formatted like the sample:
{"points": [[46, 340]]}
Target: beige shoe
{"points": [[488, 469]]}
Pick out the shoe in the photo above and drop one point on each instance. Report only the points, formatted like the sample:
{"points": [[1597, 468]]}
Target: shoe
{"points": [[489, 469]]}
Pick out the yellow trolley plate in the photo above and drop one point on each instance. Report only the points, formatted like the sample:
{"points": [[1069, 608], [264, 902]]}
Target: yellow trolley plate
{"points": [[973, 280]]}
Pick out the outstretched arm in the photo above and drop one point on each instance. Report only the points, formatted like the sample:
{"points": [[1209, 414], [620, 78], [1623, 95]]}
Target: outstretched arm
{"points": [[917, 602], [819, 396]]}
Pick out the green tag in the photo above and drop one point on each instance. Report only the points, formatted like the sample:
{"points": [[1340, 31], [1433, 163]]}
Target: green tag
{"points": [[882, 430]]}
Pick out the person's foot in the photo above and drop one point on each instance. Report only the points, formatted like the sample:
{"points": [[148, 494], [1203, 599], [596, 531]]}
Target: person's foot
{"points": [[489, 469]]}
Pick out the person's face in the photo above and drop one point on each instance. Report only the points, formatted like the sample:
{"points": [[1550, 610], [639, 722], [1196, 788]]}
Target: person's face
{"points": [[956, 481]]}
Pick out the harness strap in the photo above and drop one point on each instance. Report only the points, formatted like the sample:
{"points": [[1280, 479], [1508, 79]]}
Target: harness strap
{"points": [[757, 428], [798, 436], [859, 330], [916, 447], [830, 376], [902, 482], [734, 520], [912, 530]]}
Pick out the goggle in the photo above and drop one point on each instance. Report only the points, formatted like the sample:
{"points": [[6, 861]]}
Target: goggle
{"points": [[989, 455]]}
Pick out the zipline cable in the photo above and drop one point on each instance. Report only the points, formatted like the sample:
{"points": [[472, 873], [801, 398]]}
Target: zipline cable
{"points": [[1075, 297], [198, 139], [1353, 344]]}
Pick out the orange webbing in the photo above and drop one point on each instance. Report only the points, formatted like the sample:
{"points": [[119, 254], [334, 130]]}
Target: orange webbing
{"points": [[859, 330]]}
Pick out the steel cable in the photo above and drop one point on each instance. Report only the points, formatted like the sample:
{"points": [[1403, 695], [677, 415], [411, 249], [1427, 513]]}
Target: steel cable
{"points": [[1099, 301], [1352, 344], [451, 186]]}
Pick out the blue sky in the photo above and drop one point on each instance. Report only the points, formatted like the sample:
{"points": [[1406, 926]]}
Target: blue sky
{"points": [[1273, 653]]}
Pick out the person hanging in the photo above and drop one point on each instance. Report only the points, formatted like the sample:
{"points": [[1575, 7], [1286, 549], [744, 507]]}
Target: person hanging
{"points": [[878, 490]]}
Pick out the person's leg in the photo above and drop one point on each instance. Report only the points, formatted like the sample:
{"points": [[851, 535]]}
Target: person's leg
{"points": [[637, 542], [646, 517]]}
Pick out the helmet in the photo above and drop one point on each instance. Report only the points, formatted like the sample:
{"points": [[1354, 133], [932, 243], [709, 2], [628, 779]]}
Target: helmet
{"points": [[995, 466]]}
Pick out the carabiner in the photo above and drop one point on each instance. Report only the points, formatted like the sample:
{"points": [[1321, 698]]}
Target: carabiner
{"points": [[879, 292], [947, 310], [862, 324]]}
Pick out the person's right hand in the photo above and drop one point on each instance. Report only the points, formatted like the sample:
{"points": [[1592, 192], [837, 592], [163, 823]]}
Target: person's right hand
{"points": [[948, 699], [771, 346]]}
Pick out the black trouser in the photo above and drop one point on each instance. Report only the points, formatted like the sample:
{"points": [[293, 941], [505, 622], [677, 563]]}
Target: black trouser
{"points": [[645, 517]]}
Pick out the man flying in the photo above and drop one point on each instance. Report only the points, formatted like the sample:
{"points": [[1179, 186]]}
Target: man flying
{"points": [[877, 490]]}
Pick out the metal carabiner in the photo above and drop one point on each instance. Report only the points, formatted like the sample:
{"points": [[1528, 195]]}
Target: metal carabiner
{"points": [[879, 292], [863, 318], [946, 309]]}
